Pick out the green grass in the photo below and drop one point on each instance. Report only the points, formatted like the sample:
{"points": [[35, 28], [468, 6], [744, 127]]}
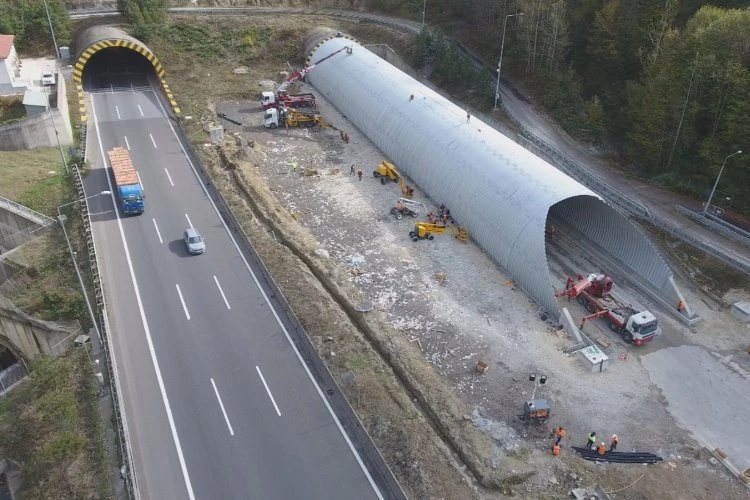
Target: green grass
{"points": [[34, 178], [49, 424], [11, 109]]}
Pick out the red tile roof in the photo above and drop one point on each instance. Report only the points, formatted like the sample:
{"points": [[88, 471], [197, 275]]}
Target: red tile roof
{"points": [[6, 42]]}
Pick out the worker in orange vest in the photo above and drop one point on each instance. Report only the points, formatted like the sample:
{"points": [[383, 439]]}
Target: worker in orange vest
{"points": [[615, 441], [601, 449], [556, 449], [560, 435]]}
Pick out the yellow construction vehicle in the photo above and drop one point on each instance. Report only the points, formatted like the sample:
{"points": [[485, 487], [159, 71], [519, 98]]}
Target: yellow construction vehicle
{"points": [[385, 171], [426, 231], [289, 117]]}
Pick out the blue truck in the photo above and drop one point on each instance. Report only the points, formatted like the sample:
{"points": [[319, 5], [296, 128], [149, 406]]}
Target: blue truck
{"points": [[129, 188]]}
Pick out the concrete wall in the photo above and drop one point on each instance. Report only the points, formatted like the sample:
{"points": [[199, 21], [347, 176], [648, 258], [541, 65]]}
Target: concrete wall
{"points": [[35, 132], [38, 131], [16, 230], [28, 337]]}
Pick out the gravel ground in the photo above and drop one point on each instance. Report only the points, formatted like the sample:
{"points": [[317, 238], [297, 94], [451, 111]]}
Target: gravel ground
{"points": [[476, 313]]}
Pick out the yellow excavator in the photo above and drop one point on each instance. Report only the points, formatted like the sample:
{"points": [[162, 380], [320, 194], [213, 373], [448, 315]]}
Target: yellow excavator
{"points": [[386, 171], [426, 231]]}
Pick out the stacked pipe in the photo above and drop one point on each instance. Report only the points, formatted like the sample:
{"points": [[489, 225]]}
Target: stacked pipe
{"points": [[637, 457]]}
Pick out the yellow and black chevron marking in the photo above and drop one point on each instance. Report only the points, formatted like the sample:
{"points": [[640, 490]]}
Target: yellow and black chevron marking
{"points": [[317, 45], [115, 42], [81, 104], [168, 92]]}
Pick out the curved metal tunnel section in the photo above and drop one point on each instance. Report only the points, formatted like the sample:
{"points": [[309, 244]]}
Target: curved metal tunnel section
{"points": [[97, 38], [501, 192]]}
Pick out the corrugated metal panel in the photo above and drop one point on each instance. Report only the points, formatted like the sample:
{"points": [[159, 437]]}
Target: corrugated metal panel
{"points": [[500, 191]]}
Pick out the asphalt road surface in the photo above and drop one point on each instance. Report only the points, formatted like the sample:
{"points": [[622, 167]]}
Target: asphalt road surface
{"points": [[218, 403]]}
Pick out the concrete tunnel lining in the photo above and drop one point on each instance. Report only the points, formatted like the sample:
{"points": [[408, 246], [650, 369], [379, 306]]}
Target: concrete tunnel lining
{"points": [[97, 38], [501, 192]]}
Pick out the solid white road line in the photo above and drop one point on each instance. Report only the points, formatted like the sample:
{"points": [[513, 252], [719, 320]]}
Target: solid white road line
{"points": [[221, 292], [190, 224], [231, 432], [268, 390], [157, 231], [153, 141], [138, 174], [144, 321], [118, 113], [179, 292], [275, 314], [169, 177], [139, 109], [127, 144]]}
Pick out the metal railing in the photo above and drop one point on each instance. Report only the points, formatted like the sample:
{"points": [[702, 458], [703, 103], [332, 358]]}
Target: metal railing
{"points": [[26, 212], [734, 233], [102, 324]]}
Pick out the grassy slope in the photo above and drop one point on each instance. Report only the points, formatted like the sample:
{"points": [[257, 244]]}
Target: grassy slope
{"points": [[51, 425]]}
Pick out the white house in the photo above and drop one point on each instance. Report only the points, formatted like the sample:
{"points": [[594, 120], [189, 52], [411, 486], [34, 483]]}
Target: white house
{"points": [[10, 65]]}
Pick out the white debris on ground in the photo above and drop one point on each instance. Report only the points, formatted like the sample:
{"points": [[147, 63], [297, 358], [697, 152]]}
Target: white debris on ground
{"points": [[452, 300]]}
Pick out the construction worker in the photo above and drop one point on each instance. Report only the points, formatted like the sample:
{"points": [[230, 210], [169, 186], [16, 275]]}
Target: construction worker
{"points": [[613, 443], [601, 450], [468, 116], [556, 449], [351, 169], [680, 306], [359, 174], [294, 167], [560, 434], [591, 441], [346, 138]]}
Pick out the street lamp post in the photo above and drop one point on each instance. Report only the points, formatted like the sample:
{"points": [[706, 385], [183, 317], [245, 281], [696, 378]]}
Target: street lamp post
{"points": [[52, 31], [500, 62], [711, 196], [61, 221]]}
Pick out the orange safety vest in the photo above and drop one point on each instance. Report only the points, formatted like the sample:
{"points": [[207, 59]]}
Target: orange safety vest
{"points": [[560, 432], [601, 450]]}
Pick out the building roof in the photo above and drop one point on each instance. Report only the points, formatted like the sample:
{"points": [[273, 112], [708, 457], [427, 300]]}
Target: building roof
{"points": [[6, 42], [35, 98]]}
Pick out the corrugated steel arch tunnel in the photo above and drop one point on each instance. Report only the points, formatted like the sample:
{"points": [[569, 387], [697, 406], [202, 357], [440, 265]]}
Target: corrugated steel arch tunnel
{"points": [[501, 192], [97, 38]]}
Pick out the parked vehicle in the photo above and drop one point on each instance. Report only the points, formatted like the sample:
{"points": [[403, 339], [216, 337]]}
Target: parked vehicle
{"points": [[48, 78], [129, 188], [595, 293]]}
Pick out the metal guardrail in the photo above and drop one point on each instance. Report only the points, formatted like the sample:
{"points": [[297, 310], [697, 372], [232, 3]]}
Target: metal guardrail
{"points": [[736, 234], [102, 323]]}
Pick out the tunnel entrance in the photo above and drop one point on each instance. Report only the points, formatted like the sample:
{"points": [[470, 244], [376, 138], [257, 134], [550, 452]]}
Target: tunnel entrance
{"points": [[117, 68], [109, 58]]}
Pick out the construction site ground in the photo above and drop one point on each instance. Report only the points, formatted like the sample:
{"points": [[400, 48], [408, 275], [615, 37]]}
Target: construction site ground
{"points": [[437, 307], [454, 307]]}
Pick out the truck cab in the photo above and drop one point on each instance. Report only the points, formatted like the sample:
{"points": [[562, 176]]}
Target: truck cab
{"points": [[273, 117], [636, 327], [268, 100], [131, 198]]}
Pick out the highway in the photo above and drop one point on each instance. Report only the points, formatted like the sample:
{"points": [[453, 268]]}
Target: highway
{"points": [[217, 401]]}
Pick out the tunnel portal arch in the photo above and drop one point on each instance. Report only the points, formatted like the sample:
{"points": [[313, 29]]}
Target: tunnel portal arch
{"points": [[98, 38]]}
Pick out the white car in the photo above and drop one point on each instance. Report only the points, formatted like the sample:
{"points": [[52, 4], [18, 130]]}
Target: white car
{"points": [[48, 78]]}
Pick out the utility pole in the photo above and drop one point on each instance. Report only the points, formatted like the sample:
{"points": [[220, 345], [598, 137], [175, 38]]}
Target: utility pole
{"points": [[711, 196], [52, 31], [500, 62]]}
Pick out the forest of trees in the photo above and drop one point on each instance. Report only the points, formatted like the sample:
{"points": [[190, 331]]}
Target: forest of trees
{"points": [[664, 83]]}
